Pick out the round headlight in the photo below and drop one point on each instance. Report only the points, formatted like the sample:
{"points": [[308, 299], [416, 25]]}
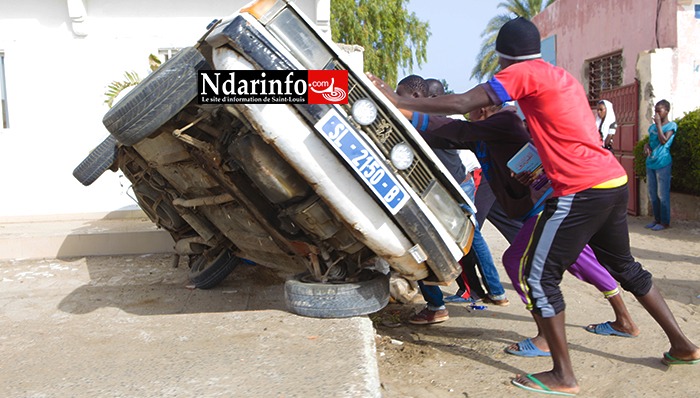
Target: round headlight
{"points": [[402, 156], [364, 111]]}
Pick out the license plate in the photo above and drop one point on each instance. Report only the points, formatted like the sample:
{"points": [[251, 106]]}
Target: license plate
{"points": [[363, 160]]}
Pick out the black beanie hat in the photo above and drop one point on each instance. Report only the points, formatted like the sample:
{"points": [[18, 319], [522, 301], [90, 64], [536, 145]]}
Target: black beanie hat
{"points": [[518, 39]]}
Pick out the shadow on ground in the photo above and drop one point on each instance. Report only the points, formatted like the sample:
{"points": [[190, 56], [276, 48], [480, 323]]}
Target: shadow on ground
{"points": [[150, 285]]}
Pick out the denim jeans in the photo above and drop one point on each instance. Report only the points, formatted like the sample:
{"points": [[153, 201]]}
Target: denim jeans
{"points": [[659, 183], [483, 254], [487, 267], [432, 295]]}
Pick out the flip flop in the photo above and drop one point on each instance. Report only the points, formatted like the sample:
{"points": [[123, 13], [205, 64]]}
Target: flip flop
{"points": [[669, 360], [606, 329], [527, 348], [543, 388]]}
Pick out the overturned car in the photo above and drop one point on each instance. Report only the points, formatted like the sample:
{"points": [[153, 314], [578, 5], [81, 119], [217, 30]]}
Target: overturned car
{"points": [[335, 194]]}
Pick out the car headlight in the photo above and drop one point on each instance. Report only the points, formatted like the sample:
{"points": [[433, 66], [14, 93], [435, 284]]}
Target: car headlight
{"points": [[291, 30], [364, 111], [449, 213], [402, 156]]}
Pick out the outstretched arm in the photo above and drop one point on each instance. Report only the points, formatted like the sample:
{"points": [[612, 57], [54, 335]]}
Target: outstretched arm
{"points": [[449, 104]]}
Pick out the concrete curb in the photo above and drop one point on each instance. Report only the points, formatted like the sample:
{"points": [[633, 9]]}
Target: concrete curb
{"points": [[75, 236]]}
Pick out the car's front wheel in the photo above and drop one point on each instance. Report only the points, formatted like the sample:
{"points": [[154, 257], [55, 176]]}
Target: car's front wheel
{"points": [[336, 300]]}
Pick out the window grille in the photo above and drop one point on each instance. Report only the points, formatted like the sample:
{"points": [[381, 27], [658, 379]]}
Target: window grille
{"points": [[604, 73]]}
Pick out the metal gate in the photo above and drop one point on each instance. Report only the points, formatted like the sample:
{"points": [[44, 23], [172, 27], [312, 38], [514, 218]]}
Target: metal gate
{"points": [[625, 101]]}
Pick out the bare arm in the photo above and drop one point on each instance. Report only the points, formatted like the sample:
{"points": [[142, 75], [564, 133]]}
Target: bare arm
{"points": [[444, 105], [663, 137], [608, 140]]}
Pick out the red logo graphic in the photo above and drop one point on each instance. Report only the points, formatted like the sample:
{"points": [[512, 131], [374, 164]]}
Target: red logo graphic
{"points": [[328, 87]]}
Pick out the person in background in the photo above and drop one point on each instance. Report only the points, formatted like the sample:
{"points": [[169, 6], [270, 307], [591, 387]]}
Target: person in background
{"points": [[435, 87], [606, 123], [435, 311], [588, 204], [471, 288], [659, 161]]}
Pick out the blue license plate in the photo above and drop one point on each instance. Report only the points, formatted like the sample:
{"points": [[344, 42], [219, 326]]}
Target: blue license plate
{"points": [[363, 160]]}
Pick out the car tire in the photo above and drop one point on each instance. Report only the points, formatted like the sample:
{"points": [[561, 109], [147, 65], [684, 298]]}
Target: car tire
{"points": [[336, 300], [98, 161], [206, 271], [155, 100]]}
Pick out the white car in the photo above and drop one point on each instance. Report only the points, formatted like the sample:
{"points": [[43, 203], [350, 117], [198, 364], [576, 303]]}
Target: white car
{"points": [[282, 185]]}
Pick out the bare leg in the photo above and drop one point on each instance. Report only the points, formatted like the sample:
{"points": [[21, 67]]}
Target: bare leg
{"points": [[539, 341], [681, 346], [623, 320], [561, 377], [623, 323]]}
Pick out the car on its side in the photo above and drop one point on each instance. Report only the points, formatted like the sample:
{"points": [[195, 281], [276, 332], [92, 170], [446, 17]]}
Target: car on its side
{"points": [[335, 194]]}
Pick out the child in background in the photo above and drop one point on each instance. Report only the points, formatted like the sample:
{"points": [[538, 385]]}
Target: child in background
{"points": [[659, 162]]}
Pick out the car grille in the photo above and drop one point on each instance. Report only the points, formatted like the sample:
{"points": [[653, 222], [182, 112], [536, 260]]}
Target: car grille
{"points": [[386, 134]]}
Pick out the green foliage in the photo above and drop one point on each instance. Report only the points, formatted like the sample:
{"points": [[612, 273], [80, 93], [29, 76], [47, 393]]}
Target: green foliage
{"points": [[487, 60], [153, 62], [391, 37], [640, 159], [448, 90], [685, 152], [130, 79], [116, 87]]}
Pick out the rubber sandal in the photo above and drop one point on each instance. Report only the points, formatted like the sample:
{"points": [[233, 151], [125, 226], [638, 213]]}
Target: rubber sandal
{"points": [[605, 329], [527, 348], [670, 360], [543, 388]]}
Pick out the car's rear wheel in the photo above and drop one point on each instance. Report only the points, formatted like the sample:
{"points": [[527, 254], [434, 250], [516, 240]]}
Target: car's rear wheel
{"points": [[98, 161], [212, 267], [336, 300], [155, 100]]}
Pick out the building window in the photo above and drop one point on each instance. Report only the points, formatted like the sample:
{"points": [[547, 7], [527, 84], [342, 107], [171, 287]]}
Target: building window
{"points": [[4, 117], [165, 54], [604, 73], [549, 49]]}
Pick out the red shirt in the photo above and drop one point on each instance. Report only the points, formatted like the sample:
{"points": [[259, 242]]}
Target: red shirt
{"points": [[561, 124]]}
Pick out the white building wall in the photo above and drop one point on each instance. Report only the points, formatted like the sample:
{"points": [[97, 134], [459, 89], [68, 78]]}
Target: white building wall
{"points": [[686, 84], [55, 83]]}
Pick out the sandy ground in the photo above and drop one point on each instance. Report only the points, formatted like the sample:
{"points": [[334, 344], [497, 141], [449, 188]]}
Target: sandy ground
{"points": [[463, 357]]}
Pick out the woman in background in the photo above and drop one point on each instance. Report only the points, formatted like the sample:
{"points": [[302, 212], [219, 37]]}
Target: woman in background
{"points": [[605, 122]]}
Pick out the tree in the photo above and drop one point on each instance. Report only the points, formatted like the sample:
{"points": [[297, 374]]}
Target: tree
{"points": [[487, 60], [391, 37]]}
